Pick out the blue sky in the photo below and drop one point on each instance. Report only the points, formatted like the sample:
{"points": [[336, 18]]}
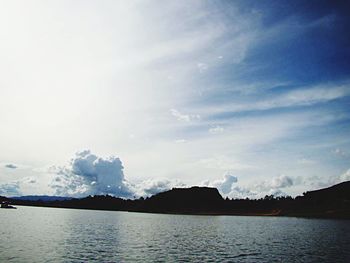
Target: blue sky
{"points": [[132, 98]]}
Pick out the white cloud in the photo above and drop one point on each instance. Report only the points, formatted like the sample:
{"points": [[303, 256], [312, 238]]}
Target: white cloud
{"points": [[303, 96], [317, 182], [184, 117], [22, 186], [89, 174], [225, 184], [277, 192], [153, 186], [228, 186], [10, 189], [242, 192], [273, 186], [281, 181], [216, 129], [345, 176]]}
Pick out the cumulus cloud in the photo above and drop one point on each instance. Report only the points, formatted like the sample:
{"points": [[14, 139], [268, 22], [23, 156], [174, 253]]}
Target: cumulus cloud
{"points": [[317, 182], [275, 186], [225, 184], [10, 189], [277, 192], [275, 183], [242, 192], [321, 182], [281, 181], [345, 176], [228, 187], [151, 187], [89, 174], [11, 166], [184, 117]]}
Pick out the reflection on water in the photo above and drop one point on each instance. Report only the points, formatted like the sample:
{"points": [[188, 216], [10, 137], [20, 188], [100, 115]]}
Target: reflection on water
{"points": [[32, 234]]}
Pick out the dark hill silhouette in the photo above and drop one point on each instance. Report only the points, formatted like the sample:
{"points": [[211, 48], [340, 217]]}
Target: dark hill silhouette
{"points": [[44, 198], [3, 198], [332, 202], [186, 200], [336, 192]]}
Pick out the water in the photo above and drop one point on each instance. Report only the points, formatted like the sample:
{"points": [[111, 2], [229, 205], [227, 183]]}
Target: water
{"points": [[33, 234]]}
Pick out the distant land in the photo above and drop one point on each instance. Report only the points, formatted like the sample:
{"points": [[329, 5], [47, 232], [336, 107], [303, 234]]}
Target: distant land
{"points": [[331, 202], [41, 198]]}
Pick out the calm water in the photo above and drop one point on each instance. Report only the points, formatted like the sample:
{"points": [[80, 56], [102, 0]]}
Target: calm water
{"points": [[31, 234]]}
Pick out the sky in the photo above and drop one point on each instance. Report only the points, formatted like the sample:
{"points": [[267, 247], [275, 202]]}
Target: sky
{"points": [[131, 98]]}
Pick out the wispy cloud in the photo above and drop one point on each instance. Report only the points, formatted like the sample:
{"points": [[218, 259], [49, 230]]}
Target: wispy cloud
{"points": [[306, 161], [216, 129], [184, 117], [303, 96], [339, 152]]}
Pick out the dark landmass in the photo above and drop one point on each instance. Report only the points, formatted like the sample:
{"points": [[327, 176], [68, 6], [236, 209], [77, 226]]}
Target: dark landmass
{"points": [[332, 202], [44, 198]]}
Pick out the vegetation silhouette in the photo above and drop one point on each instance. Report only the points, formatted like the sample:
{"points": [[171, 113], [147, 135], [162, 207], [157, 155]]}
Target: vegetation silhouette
{"points": [[332, 202]]}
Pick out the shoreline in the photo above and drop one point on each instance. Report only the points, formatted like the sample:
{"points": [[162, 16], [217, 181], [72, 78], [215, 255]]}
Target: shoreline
{"points": [[271, 214]]}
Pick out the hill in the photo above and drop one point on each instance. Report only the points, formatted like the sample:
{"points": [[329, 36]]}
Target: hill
{"points": [[186, 200], [336, 192], [331, 202], [45, 198]]}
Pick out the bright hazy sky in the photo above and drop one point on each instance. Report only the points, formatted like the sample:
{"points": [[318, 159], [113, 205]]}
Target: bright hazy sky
{"points": [[251, 97]]}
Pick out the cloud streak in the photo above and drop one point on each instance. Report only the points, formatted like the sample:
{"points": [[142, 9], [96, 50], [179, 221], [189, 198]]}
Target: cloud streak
{"points": [[302, 96], [184, 117]]}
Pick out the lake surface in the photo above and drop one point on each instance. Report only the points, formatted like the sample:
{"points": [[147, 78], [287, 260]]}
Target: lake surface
{"points": [[34, 234]]}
